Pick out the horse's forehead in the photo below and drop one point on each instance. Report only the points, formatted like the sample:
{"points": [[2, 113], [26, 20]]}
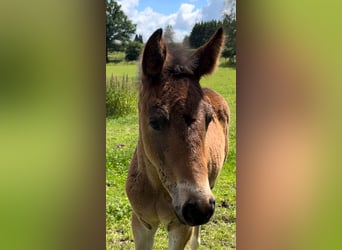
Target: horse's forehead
{"points": [[182, 97]]}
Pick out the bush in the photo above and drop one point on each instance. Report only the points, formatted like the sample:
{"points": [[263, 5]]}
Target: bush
{"points": [[116, 56], [133, 51], [229, 53], [121, 96]]}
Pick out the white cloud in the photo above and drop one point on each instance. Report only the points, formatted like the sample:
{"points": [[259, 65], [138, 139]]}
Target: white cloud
{"points": [[187, 16], [182, 21], [214, 10], [148, 20], [129, 6]]}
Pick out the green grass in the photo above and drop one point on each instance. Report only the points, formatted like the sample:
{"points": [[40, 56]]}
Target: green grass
{"points": [[121, 139], [122, 69]]}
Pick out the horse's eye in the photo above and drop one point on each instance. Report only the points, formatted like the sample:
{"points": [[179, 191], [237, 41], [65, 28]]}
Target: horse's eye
{"points": [[154, 123], [159, 118], [158, 123], [208, 119]]}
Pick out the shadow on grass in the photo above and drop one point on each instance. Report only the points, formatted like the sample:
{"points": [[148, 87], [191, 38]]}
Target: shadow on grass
{"points": [[115, 61], [228, 64]]}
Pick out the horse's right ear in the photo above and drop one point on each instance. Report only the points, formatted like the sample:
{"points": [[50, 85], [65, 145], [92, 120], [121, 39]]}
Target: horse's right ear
{"points": [[154, 54], [207, 56]]}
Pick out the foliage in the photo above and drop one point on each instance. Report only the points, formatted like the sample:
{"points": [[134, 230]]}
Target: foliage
{"points": [[133, 51], [138, 38], [118, 27], [202, 31], [169, 34], [186, 41], [229, 53], [121, 139], [116, 56], [121, 95], [229, 25]]}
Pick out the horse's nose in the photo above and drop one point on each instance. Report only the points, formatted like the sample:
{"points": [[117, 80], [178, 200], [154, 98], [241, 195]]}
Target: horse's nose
{"points": [[198, 213]]}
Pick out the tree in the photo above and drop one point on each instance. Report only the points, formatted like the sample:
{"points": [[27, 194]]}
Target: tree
{"points": [[133, 51], [138, 38], [186, 42], [228, 53], [202, 31], [169, 34], [118, 27], [229, 25]]}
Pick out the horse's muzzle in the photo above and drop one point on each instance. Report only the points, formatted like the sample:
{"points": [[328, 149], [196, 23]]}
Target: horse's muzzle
{"points": [[197, 213]]}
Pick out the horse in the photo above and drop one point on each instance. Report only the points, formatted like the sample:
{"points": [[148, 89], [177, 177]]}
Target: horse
{"points": [[182, 144]]}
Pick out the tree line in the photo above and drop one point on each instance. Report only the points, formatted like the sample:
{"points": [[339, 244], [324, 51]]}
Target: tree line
{"points": [[202, 31], [119, 30]]}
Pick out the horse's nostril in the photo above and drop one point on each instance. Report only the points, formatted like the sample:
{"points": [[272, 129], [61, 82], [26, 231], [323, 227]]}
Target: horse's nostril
{"points": [[195, 213], [212, 202], [190, 212]]}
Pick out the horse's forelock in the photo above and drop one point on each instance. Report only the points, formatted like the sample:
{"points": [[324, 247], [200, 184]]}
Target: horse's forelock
{"points": [[180, 61]]}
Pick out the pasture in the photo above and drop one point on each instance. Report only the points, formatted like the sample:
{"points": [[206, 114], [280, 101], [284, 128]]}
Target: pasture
{"points": [[121, 139]]}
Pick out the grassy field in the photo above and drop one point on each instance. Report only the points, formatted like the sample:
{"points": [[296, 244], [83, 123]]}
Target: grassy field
{"points": [[121, 139], [129, 69]]}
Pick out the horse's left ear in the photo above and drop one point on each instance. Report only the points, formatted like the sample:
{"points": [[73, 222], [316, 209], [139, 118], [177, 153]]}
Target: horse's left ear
{"points": [[207, 56], [154, 54]]}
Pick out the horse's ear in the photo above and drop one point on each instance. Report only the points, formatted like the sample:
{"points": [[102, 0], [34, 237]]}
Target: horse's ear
{"points": [[206, 56], [154, 54]]}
